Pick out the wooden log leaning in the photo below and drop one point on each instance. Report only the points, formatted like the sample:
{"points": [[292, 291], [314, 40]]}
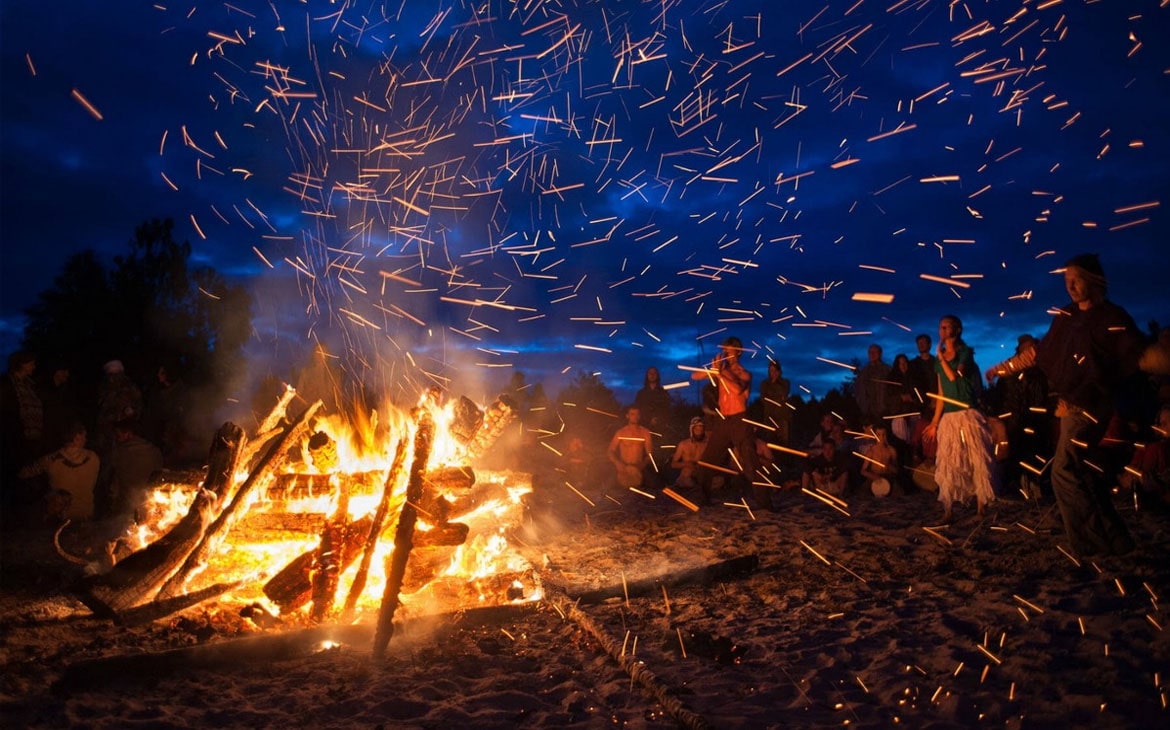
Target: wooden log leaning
{"points": [[138, 578], [269, 427], [292, 587], [329, 564], [404, 535], [234, 509], [376, 525]]}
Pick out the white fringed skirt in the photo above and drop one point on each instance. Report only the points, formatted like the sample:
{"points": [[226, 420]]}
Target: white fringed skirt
{"points": [[963, 463]]}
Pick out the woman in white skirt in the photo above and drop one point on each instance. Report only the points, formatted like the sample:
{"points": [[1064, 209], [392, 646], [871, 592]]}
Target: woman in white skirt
{"points": [[963, 464]]}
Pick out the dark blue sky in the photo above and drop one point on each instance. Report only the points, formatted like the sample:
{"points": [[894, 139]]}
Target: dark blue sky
{"points": [[470, 188]]}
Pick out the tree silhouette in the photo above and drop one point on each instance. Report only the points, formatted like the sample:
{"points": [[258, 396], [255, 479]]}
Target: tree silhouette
{"points": [[149, 308], [589, 409]]}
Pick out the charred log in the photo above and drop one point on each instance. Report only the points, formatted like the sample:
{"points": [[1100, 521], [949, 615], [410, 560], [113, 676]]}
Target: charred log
{"points": [[270, 427], [498, 417], [291, 486], [139, 577], [239, 502], [376, 525], [267, 526], [292, 587], [404, 535], [329, 563], [467, 420]]}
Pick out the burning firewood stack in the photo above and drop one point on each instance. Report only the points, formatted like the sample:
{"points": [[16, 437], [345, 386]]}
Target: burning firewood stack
{"points": [[253, 496]]}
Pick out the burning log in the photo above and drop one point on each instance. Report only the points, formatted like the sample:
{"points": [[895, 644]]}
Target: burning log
{"points": [[327, 567], [376, 525], [254, 526], [499, 415], [466, 421], [450, 478], [139, 577], [446, 534], [239, 502], [269, 426], [292, 486], [404, 535], [292, 587]]}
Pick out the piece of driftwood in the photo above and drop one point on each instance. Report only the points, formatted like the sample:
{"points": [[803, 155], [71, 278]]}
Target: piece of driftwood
{"points": [[254, 653], [377, 523], [136, 579], [404, 534], [139, 577], [704, 575], [238, 503], [637, 669]]}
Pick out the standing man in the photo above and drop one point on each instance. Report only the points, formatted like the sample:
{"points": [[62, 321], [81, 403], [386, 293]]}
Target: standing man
{"points": [[732, 439], [774, 392], [1091, 347], [873, 382], [924, 381]]}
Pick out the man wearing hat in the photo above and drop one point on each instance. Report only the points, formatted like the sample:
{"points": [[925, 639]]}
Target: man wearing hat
{"points": [[688, 452], [1090, 349], [730, 433]]}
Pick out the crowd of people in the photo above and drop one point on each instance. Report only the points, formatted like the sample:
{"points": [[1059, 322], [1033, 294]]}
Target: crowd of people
{"points": [[66, 455], [1074, 414], [1071, 414]]}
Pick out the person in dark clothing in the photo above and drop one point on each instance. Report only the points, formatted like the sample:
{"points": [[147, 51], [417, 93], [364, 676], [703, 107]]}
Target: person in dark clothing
{"points": [[654, 402], [22, 435], [1021, 402], [1091, 348]]}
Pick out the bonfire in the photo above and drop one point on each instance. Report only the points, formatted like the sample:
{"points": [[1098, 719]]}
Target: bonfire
{"points": [[311, 520]]}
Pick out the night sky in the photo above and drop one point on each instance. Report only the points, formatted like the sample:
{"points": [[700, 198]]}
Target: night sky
{"points": [[457, 190]]}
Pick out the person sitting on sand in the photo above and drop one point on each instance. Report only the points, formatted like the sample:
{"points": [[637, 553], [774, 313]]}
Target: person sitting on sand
{"points": [[880, 468], [688, 452], [629, 452], [826, 471], [72, 471]]}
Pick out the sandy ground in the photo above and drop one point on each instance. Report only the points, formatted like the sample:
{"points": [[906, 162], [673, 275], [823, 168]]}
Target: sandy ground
{"points": [[862, 620]]}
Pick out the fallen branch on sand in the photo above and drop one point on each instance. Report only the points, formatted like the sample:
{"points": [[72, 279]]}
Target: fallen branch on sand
{"points": [[635, 668]]}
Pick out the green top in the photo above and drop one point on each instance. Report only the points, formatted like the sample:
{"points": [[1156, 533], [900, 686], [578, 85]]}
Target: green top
{"points": [[961, 390]]}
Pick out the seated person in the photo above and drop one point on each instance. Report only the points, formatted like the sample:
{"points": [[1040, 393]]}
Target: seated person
{"points": [[72, 471], [1148, 473], [133, 463], [826, 471], [688, 452], [629, 452], [824, 431], [881, 463]]}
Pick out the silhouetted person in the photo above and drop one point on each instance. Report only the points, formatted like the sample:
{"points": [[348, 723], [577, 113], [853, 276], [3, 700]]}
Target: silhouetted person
{"points": [[1090, 349]]}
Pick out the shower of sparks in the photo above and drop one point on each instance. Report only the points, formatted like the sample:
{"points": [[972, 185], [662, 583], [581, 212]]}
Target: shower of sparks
{"points": [[465, 168]]}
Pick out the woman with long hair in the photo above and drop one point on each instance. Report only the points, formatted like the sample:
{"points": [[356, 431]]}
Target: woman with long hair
{"points": [[963, 462]]}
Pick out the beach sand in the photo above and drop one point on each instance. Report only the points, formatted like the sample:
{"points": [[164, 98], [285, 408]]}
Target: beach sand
{"points": [[810, 617]]}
